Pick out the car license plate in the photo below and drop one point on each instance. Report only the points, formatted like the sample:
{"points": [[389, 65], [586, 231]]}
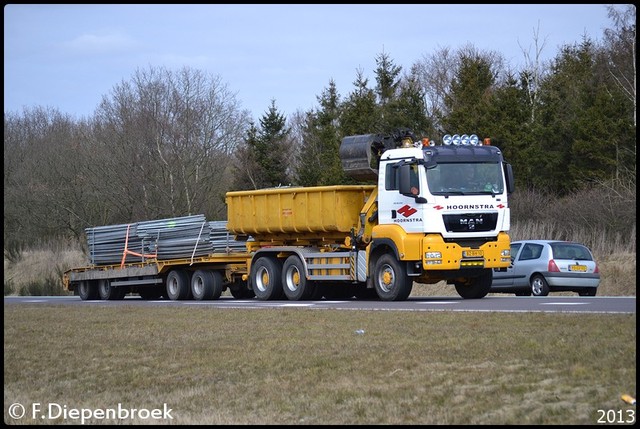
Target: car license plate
{"points": [[473, 254], [581, 268]]}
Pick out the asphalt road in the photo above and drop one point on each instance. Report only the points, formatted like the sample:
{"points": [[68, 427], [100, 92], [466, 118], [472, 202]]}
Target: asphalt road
{"points": [[508, 304]]}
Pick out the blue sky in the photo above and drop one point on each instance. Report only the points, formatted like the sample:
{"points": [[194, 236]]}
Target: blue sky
{"points": [[69, 56]]}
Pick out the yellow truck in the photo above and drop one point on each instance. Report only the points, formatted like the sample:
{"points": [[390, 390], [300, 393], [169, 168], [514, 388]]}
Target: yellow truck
{"points": [[433, 212]]}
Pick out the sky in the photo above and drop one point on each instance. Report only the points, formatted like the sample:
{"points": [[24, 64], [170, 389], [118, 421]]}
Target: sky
{"points": [[68, 57]]}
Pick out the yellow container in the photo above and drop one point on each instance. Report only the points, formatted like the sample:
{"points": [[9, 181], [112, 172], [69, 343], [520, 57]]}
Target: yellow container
{"points": [[302, 213]]}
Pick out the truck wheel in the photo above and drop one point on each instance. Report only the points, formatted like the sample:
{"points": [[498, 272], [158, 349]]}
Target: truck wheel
{"points": [[178, 287], [391, 280], [108, 292], [206, 285], [539, 286], [266, 278], [294, 283], [88, 290], [475, 287]]}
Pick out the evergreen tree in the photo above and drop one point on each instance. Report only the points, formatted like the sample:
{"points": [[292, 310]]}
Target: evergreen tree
{"points": [[579, 111], [471, 96], [410, 111], [247, 171], [272, 148], [401, 101], [387, 80], [510, 126], [319, 162], [360, 113]]}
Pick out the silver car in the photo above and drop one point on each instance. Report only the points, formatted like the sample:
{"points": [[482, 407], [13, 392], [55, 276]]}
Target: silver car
{"points": [[542, 266]]}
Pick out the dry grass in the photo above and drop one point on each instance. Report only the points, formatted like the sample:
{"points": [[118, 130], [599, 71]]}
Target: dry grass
{"points": [[300, 366]]}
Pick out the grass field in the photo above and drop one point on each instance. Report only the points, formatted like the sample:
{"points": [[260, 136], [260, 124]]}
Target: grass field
{"points": [[301, 366]]}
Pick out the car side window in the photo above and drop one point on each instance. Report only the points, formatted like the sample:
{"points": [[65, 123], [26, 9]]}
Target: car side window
{"points": [[514, 250], [530, 251]]}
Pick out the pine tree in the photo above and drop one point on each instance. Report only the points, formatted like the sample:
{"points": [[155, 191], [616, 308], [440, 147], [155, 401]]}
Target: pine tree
{"points": [[319, 162]]}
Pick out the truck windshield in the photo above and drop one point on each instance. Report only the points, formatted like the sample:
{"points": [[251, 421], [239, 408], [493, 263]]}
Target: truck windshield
{"points": [[465, 178]]}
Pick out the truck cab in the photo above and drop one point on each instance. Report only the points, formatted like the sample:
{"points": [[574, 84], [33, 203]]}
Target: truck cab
{"points": [[442, 209]]}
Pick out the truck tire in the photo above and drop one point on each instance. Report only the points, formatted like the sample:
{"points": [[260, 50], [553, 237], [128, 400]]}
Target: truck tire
{"points": [[108, 292], [88, 290], [475, 287], [294, 283], [178, 286], [390, 278], [266, 278], [206, 285]]}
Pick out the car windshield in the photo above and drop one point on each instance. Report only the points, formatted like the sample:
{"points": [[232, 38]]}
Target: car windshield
{"points": [[465, 178], [570, 251]]}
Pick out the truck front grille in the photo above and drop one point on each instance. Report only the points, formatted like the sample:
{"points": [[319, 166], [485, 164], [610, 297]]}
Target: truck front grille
{"points": [[470, 222]]}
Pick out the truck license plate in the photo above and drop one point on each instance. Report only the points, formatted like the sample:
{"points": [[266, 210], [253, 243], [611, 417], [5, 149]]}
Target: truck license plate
{"points": [[472, 253]]}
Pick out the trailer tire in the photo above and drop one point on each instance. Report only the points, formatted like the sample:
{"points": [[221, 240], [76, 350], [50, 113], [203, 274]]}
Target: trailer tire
{"points": [[390, 279], [266, 278], [476, 287], [206, 285], [88, 290], [110, 293], [178, 286], [294, 282]]}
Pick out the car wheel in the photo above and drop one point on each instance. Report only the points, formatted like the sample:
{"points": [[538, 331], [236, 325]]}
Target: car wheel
{"points": [[588, 291], [539, 286]]}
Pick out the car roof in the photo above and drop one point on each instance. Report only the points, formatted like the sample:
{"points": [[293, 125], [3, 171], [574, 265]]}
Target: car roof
{"points": [[544, 242]]}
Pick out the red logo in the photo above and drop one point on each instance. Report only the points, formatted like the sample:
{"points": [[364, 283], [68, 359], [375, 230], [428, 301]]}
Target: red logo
{"points": [[407, 211]]}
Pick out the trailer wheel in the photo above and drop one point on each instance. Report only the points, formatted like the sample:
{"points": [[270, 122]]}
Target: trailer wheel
{"points": [[88, 290], [178, 287], [206, 285], [108, 292], [391, 280], [475, 287], [266, 278], [294, 283]]}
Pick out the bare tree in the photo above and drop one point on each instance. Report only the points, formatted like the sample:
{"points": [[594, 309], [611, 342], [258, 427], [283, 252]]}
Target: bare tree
{"points": [[533, 72], [168, 137], [621, 48]]}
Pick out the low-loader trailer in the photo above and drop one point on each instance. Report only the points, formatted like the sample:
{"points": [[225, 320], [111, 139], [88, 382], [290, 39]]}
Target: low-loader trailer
{"points": [[436, 212]]}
